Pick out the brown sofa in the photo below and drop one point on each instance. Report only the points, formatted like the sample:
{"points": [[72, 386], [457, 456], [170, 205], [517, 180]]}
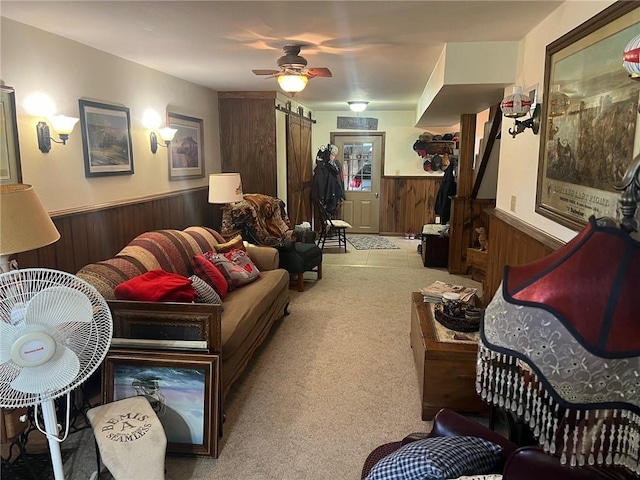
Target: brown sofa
{"points": [[233, 330]]}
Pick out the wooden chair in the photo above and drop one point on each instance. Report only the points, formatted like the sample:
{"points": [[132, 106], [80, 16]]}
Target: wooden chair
{"points": [[333, 231]]}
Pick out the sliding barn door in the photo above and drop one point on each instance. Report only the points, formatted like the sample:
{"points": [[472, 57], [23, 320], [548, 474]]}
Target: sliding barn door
{"points": [[299, 169]]}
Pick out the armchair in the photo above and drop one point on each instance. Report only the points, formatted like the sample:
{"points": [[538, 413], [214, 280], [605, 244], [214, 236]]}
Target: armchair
{"points": [[524, 463], [263, 220]]}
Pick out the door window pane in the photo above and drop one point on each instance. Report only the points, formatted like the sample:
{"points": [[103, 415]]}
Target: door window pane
{"points": [[357, 158]]}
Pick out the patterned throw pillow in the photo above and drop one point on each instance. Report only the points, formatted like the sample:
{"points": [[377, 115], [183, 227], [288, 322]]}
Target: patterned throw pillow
{"points": [[436, 458], [235, 242], [206, 293], [236, 266], [204, 269]]}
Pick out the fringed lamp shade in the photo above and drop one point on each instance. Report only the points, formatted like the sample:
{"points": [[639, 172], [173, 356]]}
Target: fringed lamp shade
{"points": [[560, 347]]}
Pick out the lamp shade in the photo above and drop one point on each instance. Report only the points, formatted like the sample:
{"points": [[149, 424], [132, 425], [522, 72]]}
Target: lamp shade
{"points": [[560, 347], [25, 224], [167, 133], [631, 57], [225, 188], [63, 124], [358, 106], [515, 105], [292, 83]]}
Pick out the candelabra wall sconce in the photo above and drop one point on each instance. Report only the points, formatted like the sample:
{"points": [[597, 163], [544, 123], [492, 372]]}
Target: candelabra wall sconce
{"points": [[62, 124]]}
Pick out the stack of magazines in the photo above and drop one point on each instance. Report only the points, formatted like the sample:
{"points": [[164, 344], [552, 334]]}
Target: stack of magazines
{"points": [[433, 293]]}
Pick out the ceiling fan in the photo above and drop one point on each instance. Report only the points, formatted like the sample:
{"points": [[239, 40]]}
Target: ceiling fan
{"points": [[294, 73]]}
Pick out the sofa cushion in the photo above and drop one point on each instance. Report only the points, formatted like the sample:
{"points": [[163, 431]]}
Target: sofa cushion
{"points": [[157, 286], [205, 292], [244, 318], [435, 458], [235, 242], [207, 271]]}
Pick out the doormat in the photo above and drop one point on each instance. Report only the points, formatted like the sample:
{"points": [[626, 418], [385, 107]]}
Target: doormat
{"points": [[371, 242]]}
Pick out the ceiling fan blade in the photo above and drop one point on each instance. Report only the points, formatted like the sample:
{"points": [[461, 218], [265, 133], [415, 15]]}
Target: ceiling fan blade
{"points": [[318, 72], [266, 72]]}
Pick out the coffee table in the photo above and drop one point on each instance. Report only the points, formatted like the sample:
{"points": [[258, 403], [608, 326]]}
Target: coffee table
{"points": [[446, 369]]}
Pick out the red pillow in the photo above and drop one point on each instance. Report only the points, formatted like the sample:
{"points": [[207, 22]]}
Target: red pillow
{"points": [[207, 271], [157, 286]]}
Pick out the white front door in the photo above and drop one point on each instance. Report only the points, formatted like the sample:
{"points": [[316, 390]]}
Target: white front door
{"points": [[361, 155]]}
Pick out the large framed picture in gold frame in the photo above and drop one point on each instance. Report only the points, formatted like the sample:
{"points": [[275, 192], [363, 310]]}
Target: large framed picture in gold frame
{"points": [[590, 118]]}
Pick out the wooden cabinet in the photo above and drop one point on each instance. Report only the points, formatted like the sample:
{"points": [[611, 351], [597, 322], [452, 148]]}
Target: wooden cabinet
{"points": [[446, 370], [266, 137]]}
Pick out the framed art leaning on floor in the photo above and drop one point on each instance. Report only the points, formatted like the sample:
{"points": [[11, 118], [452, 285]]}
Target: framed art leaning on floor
{"points": [[183, 390]]}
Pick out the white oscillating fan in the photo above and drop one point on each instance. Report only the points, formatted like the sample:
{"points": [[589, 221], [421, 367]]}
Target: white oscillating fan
{"points": [[55, 330]]}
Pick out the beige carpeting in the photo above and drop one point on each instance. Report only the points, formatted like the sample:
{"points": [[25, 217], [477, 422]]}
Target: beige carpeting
{"points": [[333, 380]]}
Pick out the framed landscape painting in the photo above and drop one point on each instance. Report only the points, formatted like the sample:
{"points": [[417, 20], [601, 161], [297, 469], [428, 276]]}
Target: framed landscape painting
{"points": [[589, 119], [10, 170], [182, 389], [106, 139], [186, 151]]}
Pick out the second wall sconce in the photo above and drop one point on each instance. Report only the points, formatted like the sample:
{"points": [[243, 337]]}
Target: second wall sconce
{"points": [[62, 124], [518, 105], [166, 135]]}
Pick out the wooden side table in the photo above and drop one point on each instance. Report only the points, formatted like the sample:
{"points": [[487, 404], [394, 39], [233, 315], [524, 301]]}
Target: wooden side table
{"points": [[446, 370]]}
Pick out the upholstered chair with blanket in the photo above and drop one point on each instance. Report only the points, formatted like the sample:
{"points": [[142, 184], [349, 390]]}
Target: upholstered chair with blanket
{"points": [[431, 456], [263, 220]]}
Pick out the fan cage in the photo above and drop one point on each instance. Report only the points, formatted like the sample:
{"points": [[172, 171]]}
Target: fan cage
{"points": [[89, 341]]}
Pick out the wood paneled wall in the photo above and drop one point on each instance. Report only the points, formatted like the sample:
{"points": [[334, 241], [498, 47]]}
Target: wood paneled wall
{"points": [[248, 139], [98, 233], [467, 214], [512, 242], [407, 203]]}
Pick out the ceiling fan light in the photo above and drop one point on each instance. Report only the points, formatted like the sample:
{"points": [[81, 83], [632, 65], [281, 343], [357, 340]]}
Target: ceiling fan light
{"points": [[292, 83], [358, 106]]}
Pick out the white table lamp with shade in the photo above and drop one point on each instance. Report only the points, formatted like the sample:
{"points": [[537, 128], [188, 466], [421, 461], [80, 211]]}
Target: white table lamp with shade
{"points": [[24, 223], [225, 188]]}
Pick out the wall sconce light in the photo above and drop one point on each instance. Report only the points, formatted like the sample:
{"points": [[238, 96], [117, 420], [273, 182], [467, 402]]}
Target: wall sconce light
{"points": [[631, 58], [292, 83], [61, 124], [358, 106], [166, 135], [517, 105]]}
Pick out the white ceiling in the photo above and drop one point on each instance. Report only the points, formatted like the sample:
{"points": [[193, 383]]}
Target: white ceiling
{"points": [[380, 51]]}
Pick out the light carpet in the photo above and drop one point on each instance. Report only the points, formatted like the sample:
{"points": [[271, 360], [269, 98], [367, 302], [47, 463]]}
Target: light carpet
{"points": [[333, 380], [371, 242]]}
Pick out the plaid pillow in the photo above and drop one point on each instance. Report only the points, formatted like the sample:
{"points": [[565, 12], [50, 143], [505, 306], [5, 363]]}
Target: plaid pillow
{"points": [[437, 458], [205, 292]]}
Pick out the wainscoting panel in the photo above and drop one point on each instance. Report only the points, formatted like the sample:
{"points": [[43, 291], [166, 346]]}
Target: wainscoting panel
{"points": [[407, 203], [97, 233], [512, 242]]}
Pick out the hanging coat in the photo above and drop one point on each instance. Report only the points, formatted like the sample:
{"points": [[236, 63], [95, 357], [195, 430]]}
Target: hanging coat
{"points": [[327, 185], [443, 198]]}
